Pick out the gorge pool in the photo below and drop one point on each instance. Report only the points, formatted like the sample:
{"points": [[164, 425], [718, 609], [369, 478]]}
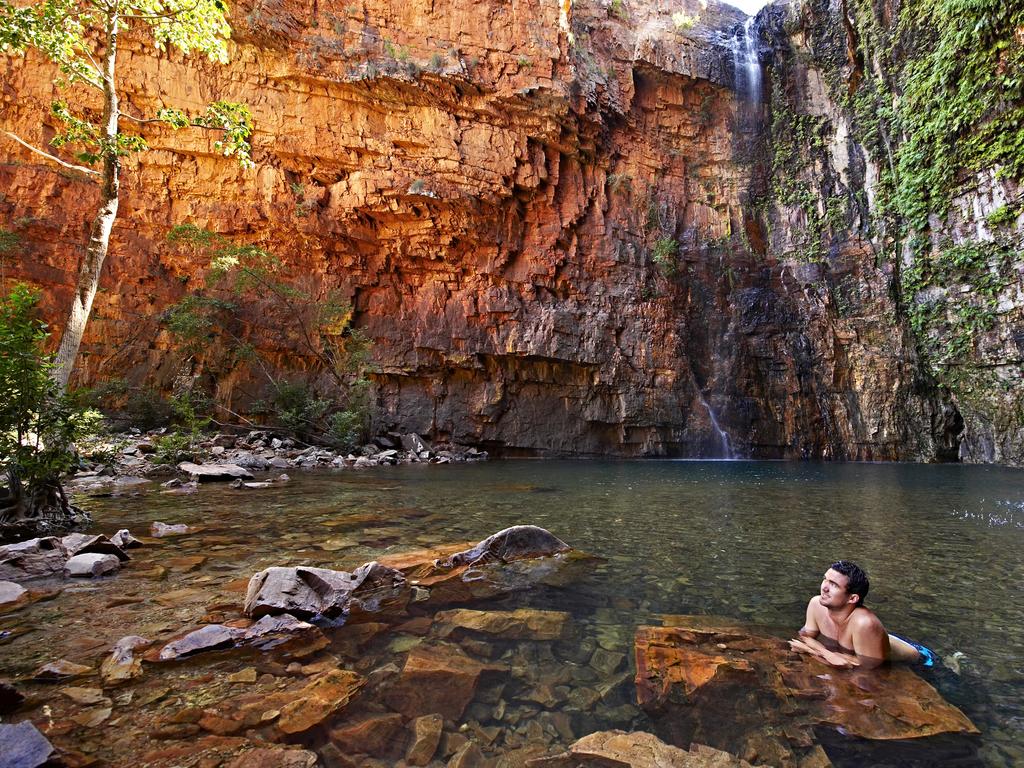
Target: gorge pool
{"points": [[743, 540]]}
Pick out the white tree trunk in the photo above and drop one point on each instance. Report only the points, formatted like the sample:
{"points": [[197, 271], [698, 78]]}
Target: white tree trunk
{"points": [[99, 237]]}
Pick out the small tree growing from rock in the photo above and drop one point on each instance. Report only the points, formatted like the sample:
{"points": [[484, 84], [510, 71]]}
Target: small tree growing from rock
{"points": [[81, 38], [38, 426]]}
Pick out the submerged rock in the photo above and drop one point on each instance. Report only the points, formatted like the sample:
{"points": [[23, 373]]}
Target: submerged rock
{"points": [[32, 559], [307, 592], [160, 530], [270, 757], [437, 678], [636, 750], [122, 664], [373, 735], [62, 669], [426, 735], [520, 624], [23, 746], [744, 690]]}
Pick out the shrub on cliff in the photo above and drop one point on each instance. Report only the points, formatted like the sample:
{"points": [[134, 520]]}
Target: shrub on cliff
{"points": [[81, 38], [315, 384], [38, 426]]}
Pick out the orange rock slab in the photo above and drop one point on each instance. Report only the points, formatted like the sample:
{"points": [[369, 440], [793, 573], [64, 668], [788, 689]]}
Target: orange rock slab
{"points": [[438, 678], [739, 688]]}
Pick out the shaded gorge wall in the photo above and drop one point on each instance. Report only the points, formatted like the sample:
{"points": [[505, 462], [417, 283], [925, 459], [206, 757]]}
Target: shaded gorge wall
{"points": [[589, 244]]}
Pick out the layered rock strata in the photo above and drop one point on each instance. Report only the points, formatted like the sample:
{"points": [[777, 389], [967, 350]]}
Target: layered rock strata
{"points": [[547, 223]]}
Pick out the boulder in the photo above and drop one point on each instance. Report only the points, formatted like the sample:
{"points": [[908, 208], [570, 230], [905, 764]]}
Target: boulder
{"points": [[23, 746], [426, 735], [636, 750], [92, 565], [62, 669], [266, 633], [122, 664], [373, 735], [12, 595], [214, 472], [414, 443], [744, 690], [125, 540], [450, 574], [81, 543], [437, 678], [32, 559], [520, 624], [516, 543], [252, 461], [303, 591], [209, 638]]}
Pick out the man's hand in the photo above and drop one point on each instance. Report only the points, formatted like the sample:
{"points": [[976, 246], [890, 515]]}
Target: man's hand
{"points": [[813, 648]]}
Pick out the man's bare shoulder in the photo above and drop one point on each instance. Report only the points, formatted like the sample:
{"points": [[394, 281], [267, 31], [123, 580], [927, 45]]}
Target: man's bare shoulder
{"points": [[864, 620]]}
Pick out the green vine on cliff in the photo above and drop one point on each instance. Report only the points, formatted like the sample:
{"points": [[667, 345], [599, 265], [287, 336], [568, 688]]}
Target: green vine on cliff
{"points": [[962, 101]]}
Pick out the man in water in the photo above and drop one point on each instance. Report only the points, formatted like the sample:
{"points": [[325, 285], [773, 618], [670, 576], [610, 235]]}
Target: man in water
{"points": [[841, 631]]}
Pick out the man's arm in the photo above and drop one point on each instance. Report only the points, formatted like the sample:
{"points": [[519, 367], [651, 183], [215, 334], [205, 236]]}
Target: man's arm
{"points": [[870, 640], [809, 645], [812, 647], [810, 627]]}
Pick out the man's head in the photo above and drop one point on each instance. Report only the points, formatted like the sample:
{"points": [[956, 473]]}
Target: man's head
{"points": [[844, 582]]}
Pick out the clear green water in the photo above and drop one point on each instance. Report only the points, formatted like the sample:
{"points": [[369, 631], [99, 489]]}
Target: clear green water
{"points": [[943, 546]]}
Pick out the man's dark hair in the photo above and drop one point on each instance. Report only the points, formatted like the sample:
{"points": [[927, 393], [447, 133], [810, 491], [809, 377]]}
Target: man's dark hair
{"points": [[858, 579]]}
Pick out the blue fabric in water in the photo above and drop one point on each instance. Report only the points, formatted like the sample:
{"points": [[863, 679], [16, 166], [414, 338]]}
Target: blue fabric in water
{"points": [[928, 657]]}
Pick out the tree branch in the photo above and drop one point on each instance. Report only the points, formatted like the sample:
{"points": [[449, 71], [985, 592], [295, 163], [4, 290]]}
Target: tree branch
{"points": [[70, 166]]}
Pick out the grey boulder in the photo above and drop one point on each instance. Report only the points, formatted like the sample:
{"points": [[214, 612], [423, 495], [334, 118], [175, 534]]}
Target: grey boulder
{"points": [[305, 591], [214, 472], [515, 543], [32, 559], [92, 564]]}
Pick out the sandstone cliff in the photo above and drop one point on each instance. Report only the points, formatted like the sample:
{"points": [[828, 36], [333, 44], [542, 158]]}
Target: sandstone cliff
{"points": [[559, 226]]}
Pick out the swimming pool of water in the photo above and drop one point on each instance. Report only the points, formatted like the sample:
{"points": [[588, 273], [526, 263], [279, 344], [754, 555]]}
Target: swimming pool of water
{"points": [[744, 540]]}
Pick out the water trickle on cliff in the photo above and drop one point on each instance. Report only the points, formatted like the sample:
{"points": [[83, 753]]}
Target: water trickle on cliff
{"points": [[723, 436]]}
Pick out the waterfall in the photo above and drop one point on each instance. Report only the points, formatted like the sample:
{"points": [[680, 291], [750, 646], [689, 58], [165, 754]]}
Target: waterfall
{"points": [[746, 64], [723, 436]]}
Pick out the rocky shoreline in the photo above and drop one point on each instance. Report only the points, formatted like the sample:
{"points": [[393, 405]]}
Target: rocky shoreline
{"points": [[132, 458]]}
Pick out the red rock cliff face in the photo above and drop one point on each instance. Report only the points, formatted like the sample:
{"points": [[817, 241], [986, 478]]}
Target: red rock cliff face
{"points": [[491, 197]]}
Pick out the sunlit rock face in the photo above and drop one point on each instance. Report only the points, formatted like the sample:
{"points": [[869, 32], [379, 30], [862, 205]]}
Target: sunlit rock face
{"points": [[557, 246]]}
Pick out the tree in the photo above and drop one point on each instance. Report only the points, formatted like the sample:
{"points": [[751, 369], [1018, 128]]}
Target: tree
{"points": [[38, 426], [81, 38]]}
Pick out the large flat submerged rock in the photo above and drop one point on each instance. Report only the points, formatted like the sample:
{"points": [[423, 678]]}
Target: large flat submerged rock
{"points": [[738, 688]]}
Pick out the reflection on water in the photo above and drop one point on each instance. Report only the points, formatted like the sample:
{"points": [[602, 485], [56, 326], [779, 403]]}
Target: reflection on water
{"points": [[746, 540]]}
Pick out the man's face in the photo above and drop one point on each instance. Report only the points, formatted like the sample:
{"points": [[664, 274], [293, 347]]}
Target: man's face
{"points": [[833, 590]]}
